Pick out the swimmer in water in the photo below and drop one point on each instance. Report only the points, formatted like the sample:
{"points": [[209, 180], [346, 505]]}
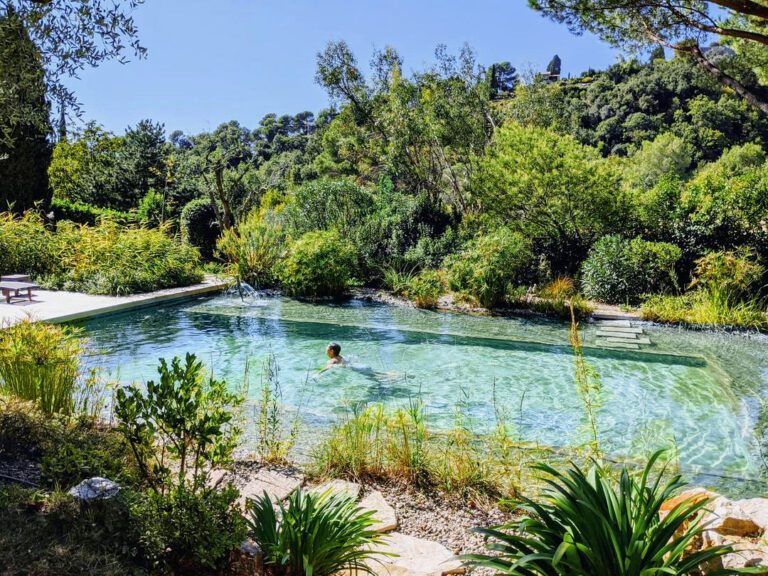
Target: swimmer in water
{"points": [[333, 351]]}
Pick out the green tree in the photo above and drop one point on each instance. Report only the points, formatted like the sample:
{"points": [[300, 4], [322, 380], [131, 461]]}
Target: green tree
{"points": [[551, 188], [666, 155], [24, 118], [682, 27]]}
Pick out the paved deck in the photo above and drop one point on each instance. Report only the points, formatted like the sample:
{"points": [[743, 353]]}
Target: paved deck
{"points": [[62, 306]]}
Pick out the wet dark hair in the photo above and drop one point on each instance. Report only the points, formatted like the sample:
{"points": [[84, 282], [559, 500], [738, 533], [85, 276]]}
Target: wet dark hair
{"points": [[336, 347]]}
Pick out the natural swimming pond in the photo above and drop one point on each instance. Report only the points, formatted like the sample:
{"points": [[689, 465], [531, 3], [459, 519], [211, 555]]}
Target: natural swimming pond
{"points": [[704, 393]]}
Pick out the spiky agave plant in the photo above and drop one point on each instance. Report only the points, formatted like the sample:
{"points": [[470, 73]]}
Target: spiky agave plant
{"points": [[586, 525], [315, 534]]}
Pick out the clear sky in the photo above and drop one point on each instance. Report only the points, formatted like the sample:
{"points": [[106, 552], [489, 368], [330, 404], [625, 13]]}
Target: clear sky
{"points": [[211, 61]]}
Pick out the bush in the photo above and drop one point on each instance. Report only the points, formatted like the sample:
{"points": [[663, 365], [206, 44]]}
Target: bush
{"points": [[318, 264], [489, 264], [425, 288], [26, 245], [190, 533], [82, 213], [315, 534], [41, 363], [731, 274], [255, 248], [151, 208], [179, 427], [199, 226], [111, 259], [328, 204], [585, 524], [619, 271]]}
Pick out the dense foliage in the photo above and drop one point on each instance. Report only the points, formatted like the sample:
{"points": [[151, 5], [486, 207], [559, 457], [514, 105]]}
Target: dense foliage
{"points": [[587, 524], [319, 263], [103, 259]]}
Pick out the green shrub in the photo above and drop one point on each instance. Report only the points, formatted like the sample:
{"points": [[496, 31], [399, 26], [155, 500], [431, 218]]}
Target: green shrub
{"points": [[188, 532], [111, 259], [426, 288], [199, 226], [26, 245], [83, 449], [620, 271], [585, 524], [489, 265], [82, 213], [315, 534], [255, 248], [151, 209], [180, 426], [318, 264], [328, 204], [41, 363], [734, 275]]}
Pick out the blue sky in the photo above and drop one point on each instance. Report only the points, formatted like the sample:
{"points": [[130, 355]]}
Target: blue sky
{"points": [[211, 61]]}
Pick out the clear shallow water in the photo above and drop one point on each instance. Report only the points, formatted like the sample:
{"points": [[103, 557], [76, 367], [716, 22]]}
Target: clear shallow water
{"points": [[701, 392]]}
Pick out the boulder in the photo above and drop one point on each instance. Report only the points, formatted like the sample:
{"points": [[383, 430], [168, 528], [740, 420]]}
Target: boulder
{"points": [[728, 519], [278, 485], [351, 489], [384, 515], [696, 495], [93, 489], [756, 509], [415, 557]]}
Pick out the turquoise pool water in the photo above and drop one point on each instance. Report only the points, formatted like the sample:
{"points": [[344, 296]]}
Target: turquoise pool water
{"points": [[701, 392]]}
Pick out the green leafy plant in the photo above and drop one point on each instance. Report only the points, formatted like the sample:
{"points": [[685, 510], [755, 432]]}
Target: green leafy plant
{"points": [[318, 264], [41, 363], [180, 426], [199, 226], [587, 525], [188, 532], [488, 266], [425, 288], [622, 271], [315, 534]]}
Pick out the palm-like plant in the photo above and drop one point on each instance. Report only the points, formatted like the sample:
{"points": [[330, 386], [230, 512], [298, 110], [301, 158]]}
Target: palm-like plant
{"points": [[315, 534], [588, 526]]}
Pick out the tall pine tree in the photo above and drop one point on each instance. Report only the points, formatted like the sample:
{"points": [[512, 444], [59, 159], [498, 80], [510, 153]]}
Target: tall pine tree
{"points": [[25, 150]]}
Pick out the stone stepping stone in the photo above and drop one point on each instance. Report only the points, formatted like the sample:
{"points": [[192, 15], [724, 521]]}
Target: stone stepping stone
{"points": [[609, 334], [623, 330], [351, 489], [384, 515], [415, 557], [622, 345], [625, 341], [615, 323]]}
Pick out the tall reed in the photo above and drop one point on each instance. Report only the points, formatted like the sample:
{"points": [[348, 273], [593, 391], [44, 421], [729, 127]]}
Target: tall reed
{"points": [[41, 363], [588, 386]]}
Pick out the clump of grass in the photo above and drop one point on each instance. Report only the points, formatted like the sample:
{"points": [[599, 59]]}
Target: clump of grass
{"points": [[274, 442], [556, 299], [706, 308], [374, 443], [41, 363]]}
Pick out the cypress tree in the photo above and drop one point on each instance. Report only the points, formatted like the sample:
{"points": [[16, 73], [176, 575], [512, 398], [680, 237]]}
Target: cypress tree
{"points": [[25, 150]]}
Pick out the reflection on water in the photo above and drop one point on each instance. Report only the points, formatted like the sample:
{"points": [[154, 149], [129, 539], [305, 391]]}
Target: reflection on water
{"points": [[700, 392]]}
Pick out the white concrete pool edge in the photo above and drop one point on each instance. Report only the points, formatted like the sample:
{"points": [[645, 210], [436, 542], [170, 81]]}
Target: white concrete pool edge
{"points": [[61, 306]]}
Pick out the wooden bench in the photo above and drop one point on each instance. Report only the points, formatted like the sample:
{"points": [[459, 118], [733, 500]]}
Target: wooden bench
{"points": [[12, 289]]}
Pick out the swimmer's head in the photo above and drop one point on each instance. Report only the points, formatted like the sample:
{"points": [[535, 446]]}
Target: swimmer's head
{"points": [[333, 349]]}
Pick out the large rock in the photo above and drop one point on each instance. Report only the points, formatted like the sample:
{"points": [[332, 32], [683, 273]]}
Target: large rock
{"points": [[93, 489], [351, 489], [415, 557], [756, 509], [278, 485], [384, 515], [727, 518], [695, 495]]}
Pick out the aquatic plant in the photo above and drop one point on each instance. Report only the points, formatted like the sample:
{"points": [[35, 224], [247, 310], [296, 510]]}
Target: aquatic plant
{"points": [[41, 363], [587, 524], [274, 442], [588, 385]]}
